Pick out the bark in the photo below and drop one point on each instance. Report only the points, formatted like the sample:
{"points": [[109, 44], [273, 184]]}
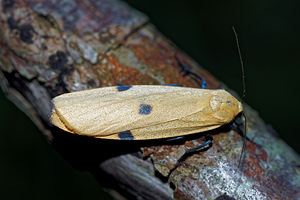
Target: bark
{"points": [[52, 48]]}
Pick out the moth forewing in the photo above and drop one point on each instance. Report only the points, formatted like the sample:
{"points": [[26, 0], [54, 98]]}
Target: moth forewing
{"points": [[57, 121], [147, 112]]}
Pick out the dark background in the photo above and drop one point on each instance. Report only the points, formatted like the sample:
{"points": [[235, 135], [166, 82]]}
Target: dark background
{"points": [[269, 38]]}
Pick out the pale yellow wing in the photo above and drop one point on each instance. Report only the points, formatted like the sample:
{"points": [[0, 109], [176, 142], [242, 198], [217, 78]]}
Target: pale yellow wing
{"points": [[146, 111]]}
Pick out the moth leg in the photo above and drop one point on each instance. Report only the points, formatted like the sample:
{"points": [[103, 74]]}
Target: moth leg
{"points": [[185, 71], [175, 138], [202, 147], [122, 87], [119, 83], [234, 126], [194, 150], [122, 84], [175, 84]]}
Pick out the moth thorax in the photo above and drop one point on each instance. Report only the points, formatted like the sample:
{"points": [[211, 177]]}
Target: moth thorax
{"points": [[225, 108]]}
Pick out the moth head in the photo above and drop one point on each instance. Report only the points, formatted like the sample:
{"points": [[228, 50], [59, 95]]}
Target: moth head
{"points": [[225, 107]]}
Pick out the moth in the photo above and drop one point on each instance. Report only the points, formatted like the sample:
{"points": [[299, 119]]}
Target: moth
{"points": [[143, 112]]}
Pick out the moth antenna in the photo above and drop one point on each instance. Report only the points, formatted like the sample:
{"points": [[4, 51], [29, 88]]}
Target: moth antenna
{"points": [[244, 139], [242, 64], [243, 95]]}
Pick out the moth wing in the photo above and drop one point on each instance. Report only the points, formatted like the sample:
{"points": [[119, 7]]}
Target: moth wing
{"points": [[108, 111], [166, 130], [56, 121], [194, 123]]}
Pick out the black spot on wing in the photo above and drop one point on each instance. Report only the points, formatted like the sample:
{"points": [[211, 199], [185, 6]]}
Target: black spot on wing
{"points": [[125, 135], [123, 88], [145, 109]]}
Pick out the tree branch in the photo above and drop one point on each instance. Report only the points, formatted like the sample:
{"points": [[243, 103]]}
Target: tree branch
{"points": [[48, 49]]}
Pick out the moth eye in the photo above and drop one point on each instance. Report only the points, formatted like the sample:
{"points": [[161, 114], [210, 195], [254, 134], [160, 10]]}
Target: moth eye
{"points": [[228, 101]]}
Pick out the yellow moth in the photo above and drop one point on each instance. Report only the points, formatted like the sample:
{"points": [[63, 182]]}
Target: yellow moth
{"points": [[143, 112]]}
